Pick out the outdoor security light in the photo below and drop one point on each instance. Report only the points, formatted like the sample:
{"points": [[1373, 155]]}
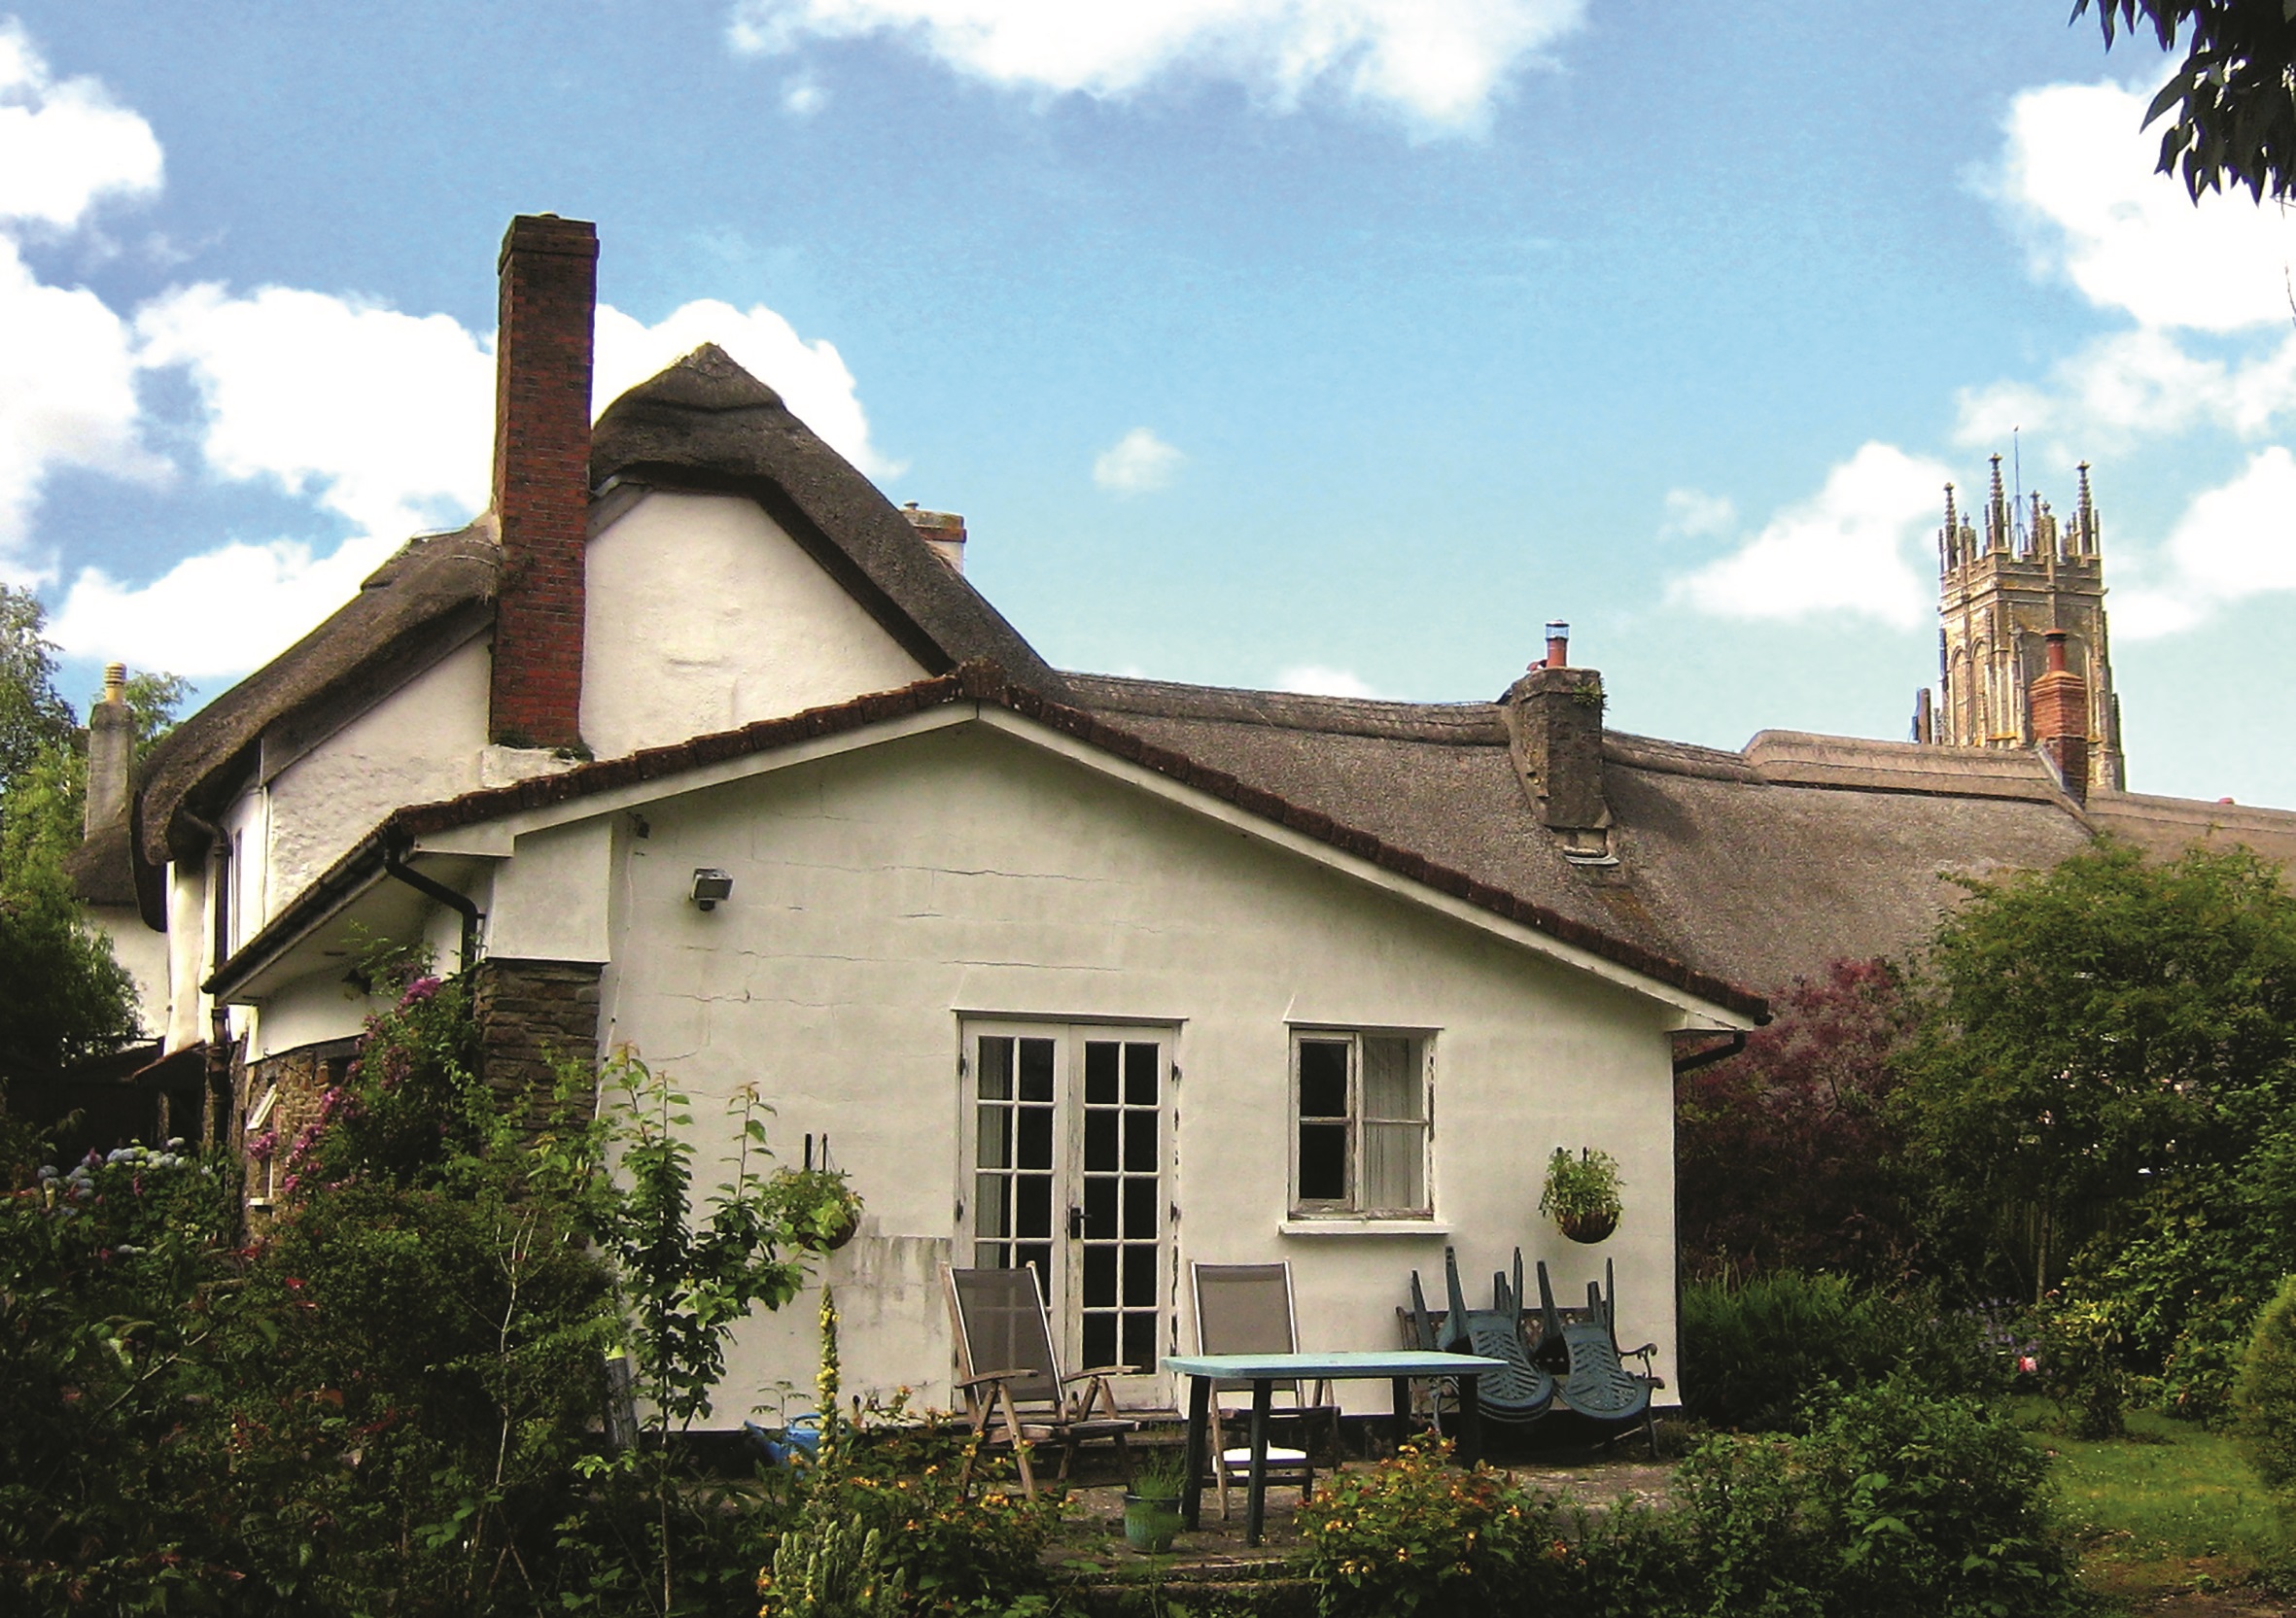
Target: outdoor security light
{"points": [[710, 886]]}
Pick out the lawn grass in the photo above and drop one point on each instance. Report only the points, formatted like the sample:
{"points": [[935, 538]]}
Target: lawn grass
{"points": [[2173, 1507]]}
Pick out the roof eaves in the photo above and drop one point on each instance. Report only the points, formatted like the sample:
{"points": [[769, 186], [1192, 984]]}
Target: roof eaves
{"points": [[980, 681]]}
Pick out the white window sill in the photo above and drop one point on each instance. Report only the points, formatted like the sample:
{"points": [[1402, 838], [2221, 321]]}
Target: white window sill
{"points": [[1341, 1225]]}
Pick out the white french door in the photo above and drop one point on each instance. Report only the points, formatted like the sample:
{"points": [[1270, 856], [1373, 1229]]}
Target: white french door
{"points": [[1068, 1142]]}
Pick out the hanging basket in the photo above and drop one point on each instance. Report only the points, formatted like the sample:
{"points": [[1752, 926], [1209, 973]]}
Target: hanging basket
{"points": [[1590, 1227]]}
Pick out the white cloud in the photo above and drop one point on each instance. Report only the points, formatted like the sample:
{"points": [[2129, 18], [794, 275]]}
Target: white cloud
{"points": [[1136, 463], [221, 612], [812, 378], [1694, 514], [803, 97], [2076, 179], [2233, 541], [63, 145], [67, 372], [67, 395], [384, 417], [1843, 550], [1314, 679], [1436, 62]]}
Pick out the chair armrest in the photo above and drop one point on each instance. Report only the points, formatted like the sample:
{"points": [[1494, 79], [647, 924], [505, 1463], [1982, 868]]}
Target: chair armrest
{"points": [[996, 1376], [1102, 1370], [1644, 1352]]}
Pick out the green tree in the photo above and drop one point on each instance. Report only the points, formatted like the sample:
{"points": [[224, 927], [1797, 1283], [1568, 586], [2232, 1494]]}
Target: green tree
{"points": [[2096, 1096], [2234, 95]]}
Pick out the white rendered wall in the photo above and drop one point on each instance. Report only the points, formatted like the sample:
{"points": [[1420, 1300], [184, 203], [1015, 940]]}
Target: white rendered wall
{"points": [[879, 896], [703, 615], [549, 903], [188, 939], [417, 745], [143, 954], [311, 1011]]}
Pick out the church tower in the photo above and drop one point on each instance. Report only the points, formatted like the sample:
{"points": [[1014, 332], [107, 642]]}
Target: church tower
{"points": [[2001, 595]]}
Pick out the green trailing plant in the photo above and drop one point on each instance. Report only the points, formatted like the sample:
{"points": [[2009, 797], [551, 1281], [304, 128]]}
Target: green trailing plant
{"points": [[818, 1205], [1581, 1194]]}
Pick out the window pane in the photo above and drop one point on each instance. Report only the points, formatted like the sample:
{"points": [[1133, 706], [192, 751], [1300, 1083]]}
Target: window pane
{"points": [[1035, 1213], [993, 1205], [1099, 1073], [1100, 1277], [1139, 1075], [996, 1137], [1139, 1341], [1099, 1142], [1394, 1166], [1035, 1137], [1391, 1088], [1100, 1209], [1139, 1209], [1323, 1162], [1323, 1078], [1139, 1142], [1099, 1339], [996, 1068], [1139, 1275], [1036, 1070]]}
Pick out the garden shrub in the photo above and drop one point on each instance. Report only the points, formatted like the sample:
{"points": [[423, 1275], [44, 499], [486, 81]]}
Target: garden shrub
{"points": [[111, 1277], [903, 1515], [1755, 1351], [2081, 1369], [1934, 1507], [2264, 1405], [1753, 1544], [1416, 1533]]}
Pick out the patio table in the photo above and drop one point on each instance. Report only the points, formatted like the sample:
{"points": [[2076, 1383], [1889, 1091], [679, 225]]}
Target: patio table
{"points": [[1400, 1366]]}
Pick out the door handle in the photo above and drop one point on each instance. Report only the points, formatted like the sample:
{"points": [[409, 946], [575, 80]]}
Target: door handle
{"points": [[1075, 1223]]}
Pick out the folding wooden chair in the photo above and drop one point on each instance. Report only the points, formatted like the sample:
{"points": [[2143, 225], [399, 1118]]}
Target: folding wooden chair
{"points": [[1005, 1361], [1247, 1309]]}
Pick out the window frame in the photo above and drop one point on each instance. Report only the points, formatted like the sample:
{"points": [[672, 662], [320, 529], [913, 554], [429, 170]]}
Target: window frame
{"points": [[1354, 1207]]}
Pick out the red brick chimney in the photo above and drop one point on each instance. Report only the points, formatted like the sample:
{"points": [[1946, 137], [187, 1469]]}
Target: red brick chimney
{"points": [[2060, 702], [542, 477]]}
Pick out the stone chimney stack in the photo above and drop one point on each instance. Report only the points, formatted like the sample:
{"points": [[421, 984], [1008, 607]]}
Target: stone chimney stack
{"points": [[1553, 718], [2061, 719], [942, 531], [111, 743], [542, 477]]}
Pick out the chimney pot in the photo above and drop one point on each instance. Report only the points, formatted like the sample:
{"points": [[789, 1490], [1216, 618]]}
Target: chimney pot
{"points": [[111, 744], [1558, 645], [542, 477], [1554, 716], [942, 531], [2060, 707]]}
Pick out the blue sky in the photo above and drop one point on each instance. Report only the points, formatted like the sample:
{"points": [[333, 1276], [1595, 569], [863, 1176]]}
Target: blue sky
{"points": [[1324, 343]]}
